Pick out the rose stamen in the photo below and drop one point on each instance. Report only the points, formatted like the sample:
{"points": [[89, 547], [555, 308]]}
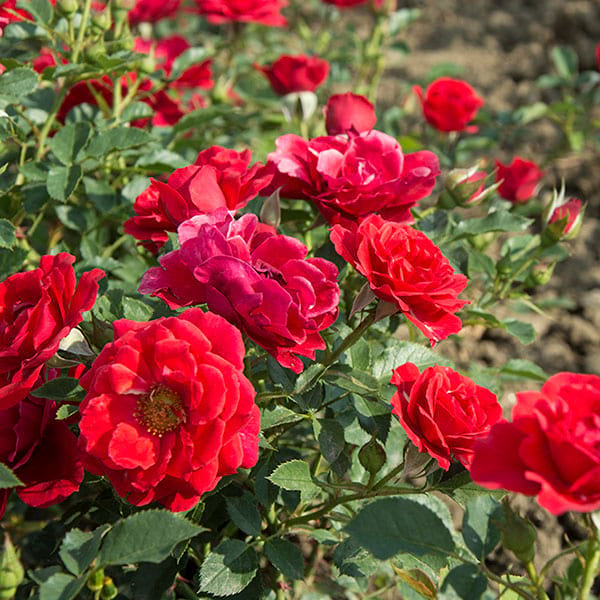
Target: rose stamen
{"points": [[160, 411]]}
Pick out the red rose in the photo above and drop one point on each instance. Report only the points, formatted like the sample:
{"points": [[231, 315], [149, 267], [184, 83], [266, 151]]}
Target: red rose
{"points": [[443, 412], [519, 180], [153, 10], [565, 221], [45, 59], [349, 111], [41, 451], [219, 178], [300, 73], [266, 12], [344, 3], [449, 104], [168, 410], [598, 56], [350, 177], [85, 92], [550, 449], [404, 267], [258, 280], [37, 309]]}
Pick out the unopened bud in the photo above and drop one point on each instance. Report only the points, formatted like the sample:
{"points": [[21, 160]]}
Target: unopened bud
{"points": [[466, 187], [11, 570], [109, 590], [147, 65], [564, 222], [541, 274], [67, 8], [95, 581], [372, 456], [93, 52], [518, 534], [300, 104], [101, 22]]}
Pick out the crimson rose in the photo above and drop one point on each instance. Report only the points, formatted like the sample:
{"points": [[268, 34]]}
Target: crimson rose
{"points": [[266, 12], [219, 178], [519, 180], [168, 410], [350, 177], [152, 10], [258, 280], [404, 267], [299, 73], [550, 449], [37, 309], [41, 451], [443, 412], [349, 111], [449, 104]]}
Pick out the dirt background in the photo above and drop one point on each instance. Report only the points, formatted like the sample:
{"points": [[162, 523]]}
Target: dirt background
{"points": [[503, 47]]}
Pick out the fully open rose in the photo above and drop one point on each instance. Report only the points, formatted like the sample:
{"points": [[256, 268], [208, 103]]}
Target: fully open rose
{"points": [[265, 12], [551, 449], [258, 280], [404, 267], [37, 310], [168, 410], [351, 177], [443, 412]]}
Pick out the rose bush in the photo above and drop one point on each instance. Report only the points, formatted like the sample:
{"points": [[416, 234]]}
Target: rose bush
{"points": [[168, 410]]}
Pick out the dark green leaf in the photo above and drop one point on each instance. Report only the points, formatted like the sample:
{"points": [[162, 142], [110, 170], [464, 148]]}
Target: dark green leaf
{"points": [[392, 525], [61, 586], [100, 193], [295, 475], [243, 511], [273, 416], [500, 220], [286, 557], [478, 530], [62, 181], [400, 353], [148, 536], [60, 388], [136, 110], [16, 84], [161, 160], [79, 548], [465, 582], [8, 479], [119, 138], [7, 234], [523, 369], [11, 261], [228, 569], [69, 141], [152, 581], [523, 331], [331, 439]]}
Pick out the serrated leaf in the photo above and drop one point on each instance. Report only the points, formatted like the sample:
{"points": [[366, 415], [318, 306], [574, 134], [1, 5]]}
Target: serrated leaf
{"points": [[500, 220], [119, 138], [228, 569], [61, 586], [243, 511], [273, 416], [479, 532], [402, 352], [525, 332], [295, 475], [69, 141], [161, 160], [331, 439], [148, 536], [392, 525], [8, 479], [16, 84], [286, 557], [79, 548], [60, 388], [62, 181], [41, 9], [465, 582], [136, 110], [7, 234]]}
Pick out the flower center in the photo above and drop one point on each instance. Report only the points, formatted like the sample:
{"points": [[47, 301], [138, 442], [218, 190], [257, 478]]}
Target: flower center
{"points": [[160, 411]]}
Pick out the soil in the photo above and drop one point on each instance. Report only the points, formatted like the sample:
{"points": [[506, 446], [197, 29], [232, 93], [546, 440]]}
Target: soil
{"points": [[503, 48]]}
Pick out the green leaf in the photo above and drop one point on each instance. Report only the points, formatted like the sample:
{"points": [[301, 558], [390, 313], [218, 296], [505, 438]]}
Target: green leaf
{"points": [[521, 330], [60, 388], [286, 557], [11, 261], [74, 217], [7, 234], [148, 536], [161, 160], [392, 525], [273, 416], [243, 511], [479, 532], [480, 263], [119, 138], [331, 439], [295, 475], [523, 369], [41, 9], [100, 193], [79, 548], [500, 220], [8, 479], [16, 84], [62, 181], [462, 490], [136, 110], [465, 582], [69, 142], [565, 61], [228, 569], [402, 352], [354, 381], [61, 586]]}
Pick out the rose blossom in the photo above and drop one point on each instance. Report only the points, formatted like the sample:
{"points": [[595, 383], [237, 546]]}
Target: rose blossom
{"points": [[350, 177], [449, 104], [266, 12], [519, 180], [219, 178], [349, 111], [168, 410], [289, 74], [152, 10], [258, 280], [41, 451], [37, 309], [550, 449], [404, 267], [442, 411]]}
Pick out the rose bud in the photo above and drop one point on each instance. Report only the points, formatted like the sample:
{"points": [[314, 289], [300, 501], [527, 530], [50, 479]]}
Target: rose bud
{"points": [[563, 219], [466, 187], [349, 111], [518, 181]]}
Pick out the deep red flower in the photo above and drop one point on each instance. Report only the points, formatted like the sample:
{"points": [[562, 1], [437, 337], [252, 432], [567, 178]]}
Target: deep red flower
{"points": [[299, 73], [85, 92], [350, 177], [37, 309], [152, 10], [551, 449], [449, 104], [41, 451], [349, 111], [219, 178], [404, 267], [519, 179], [258, 280], [168, 410], [266, 12], [443, 412], [46, 59]]}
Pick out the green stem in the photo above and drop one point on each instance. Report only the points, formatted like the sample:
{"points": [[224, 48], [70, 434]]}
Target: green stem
{"points": [[536, 580], [81, 33], [45, 131], [351, 339], [395, 471], [590, 569]]}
